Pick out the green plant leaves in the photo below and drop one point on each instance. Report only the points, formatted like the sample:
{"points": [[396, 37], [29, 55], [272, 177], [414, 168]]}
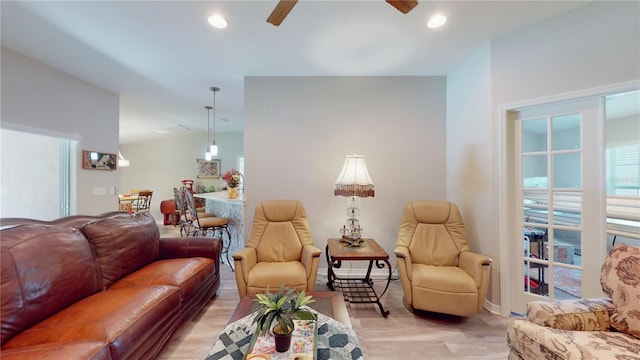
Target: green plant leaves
{"points": [[282, 306]]}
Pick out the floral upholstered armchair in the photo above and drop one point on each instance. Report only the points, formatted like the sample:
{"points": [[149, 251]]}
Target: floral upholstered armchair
{"points": [[597, 328]]}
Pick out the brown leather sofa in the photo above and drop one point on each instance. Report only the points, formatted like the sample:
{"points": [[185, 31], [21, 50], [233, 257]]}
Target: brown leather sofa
{"points": [[105, 287]]}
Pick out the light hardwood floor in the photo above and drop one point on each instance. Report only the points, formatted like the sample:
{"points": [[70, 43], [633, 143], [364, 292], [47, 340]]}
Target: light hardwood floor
{"points": [[402, 335]]}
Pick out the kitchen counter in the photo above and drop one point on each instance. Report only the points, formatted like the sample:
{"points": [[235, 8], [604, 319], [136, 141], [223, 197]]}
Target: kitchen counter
{"points": [[233, 209]]}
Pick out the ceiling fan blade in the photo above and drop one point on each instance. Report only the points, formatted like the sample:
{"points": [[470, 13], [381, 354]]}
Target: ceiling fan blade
{"points": [[281, 11], [403, 5]]}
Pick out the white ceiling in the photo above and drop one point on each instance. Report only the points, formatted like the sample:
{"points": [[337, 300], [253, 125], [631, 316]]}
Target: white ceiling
{"points": [[161, 57]]}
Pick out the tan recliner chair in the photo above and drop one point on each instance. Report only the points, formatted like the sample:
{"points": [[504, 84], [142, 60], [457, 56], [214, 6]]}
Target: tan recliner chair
{"points": [[280, 250], [437, 270]]}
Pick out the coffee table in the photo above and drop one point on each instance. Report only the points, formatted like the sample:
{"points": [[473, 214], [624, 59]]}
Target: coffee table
{"points": [[330, 303], [335, 339], [357, 290]]}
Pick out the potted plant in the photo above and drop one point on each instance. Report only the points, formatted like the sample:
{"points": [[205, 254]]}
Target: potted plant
{"points": [[276, 312]]}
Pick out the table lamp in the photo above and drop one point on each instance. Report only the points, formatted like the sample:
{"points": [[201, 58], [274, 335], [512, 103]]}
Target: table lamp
{"points": [[353, 182]]}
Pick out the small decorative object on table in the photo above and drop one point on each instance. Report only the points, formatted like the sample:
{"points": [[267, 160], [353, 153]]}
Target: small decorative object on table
{"points": [[281, 314], [232, 178]]}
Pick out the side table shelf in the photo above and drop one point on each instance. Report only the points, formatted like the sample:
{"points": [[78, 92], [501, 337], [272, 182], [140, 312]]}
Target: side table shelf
{"points": [[357, 290]]}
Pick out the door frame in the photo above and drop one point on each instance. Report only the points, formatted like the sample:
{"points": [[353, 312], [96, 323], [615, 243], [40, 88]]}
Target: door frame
{"points": [[506, 210]]}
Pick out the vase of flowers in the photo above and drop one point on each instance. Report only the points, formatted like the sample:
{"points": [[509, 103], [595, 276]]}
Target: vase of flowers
{"points": [[232, 178], [276, 312]]}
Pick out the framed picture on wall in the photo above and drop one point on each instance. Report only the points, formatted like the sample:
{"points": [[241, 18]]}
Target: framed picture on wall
{"points": [[208, 169], [94, 160]]}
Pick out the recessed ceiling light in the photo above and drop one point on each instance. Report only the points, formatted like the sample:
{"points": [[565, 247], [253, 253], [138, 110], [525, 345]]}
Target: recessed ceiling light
{"points": [[217, 21], [436, 21]]}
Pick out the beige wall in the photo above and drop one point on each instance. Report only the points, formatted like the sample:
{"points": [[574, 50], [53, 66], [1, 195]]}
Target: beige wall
{"points": [[298, 131], [51, 102], [592, 46]]}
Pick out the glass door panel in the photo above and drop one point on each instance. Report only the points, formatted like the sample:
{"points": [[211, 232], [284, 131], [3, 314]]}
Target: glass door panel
{"points": [[534, 170], [554, 191], [567, 208], [565, 168], [536, 135], [566, 132]]}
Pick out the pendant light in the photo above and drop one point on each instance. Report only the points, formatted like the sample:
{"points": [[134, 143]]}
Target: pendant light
{"points": [[213, 149], [122, 162], [207, 155]]}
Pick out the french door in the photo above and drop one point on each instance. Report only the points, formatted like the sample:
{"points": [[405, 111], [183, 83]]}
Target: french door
{"points": [[559, 202]]}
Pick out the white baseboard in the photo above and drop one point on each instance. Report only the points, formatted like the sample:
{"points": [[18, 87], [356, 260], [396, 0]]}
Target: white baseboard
{"points": [[492, 308]]}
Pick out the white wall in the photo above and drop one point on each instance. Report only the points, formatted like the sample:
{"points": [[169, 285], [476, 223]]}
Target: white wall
{"points": [[298, 131], [38, 96], [161, 165], [469, 154], [594, 45]]}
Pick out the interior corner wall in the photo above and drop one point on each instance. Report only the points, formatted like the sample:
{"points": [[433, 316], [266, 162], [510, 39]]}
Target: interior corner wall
{"points": [[469, 152], [595, 45], [161, 165], [298, 131], [37, 96]]}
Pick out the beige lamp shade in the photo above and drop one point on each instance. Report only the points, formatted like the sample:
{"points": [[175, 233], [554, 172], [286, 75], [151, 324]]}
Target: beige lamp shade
{"points": [[354, 179]]}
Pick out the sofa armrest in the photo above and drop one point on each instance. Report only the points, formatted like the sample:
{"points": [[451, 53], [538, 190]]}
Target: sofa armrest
{"points": [[183, 247], [579, 314]]}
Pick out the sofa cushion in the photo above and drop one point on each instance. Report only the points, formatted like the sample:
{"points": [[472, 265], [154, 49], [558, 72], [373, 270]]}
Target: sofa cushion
{"points": [[123, 245], [131, 320], [189, 274], [90, 350], [620, 279], [532, 341], [37, 278]]}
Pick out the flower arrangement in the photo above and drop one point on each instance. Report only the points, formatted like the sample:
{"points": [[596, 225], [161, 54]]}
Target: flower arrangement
{"points": [[232, 178]]}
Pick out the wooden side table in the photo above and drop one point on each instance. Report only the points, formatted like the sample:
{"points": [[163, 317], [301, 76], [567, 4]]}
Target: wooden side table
{"points": [[357, 290]]}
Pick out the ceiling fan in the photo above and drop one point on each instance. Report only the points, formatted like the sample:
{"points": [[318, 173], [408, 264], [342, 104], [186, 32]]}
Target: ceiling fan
{"points": [[283, 8]]}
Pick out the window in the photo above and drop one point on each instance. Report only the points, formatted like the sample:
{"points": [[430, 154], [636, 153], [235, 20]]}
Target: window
{"points": [[35, 175], [622, 164]]}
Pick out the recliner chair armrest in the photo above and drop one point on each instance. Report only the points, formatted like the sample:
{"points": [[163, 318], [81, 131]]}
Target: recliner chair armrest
{"points": [[474, 263], [402, 252], [244, 260], [308, 253], [574, 314], [184, 247]]}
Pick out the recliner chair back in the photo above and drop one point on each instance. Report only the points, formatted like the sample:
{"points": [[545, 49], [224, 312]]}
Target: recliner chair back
{"points": [[280, 230], [433, 232]]}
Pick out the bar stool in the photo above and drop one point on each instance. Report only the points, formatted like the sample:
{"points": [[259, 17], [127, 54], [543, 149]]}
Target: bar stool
{"points": [[207, 226]]}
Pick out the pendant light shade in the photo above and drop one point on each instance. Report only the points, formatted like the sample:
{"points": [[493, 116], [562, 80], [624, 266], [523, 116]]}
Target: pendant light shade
{"points": [[207, 154], [122, 162], [213, 149]]}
